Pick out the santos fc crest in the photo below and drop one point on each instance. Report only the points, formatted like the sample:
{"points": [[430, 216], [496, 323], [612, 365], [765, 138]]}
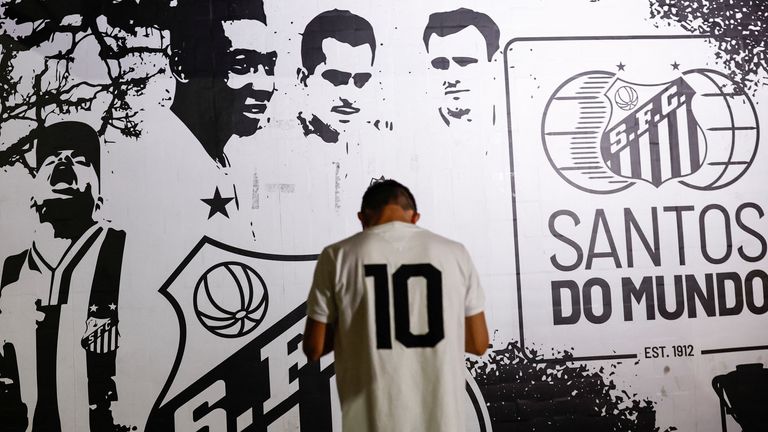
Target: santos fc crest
{"points": [[603, 134]]}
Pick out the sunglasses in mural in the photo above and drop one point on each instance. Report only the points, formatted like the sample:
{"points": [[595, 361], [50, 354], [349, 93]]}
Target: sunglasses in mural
{"points": [[338, 78]]}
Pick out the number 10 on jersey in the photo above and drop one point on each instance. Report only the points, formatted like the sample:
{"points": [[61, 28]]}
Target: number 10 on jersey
{"points": [[400, 278]]}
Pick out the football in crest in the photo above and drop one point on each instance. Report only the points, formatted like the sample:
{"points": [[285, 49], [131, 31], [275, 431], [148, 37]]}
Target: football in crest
{"points": [[230, 299], [626, 98]]}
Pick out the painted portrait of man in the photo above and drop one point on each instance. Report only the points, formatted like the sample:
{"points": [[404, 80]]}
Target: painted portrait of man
{"points": [[338, 49], [224, 68], [461, 45], [59, 298]]}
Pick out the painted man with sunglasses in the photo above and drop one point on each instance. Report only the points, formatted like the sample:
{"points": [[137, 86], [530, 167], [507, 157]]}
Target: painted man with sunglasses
{"points": [[337, 53], [461, 44], [224, 70]]}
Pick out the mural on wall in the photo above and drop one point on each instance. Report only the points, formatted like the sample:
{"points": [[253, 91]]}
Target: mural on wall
{"points": [[627, 275], [742, 395], [338, 51], [56, 85], [742, 26], [219, 59], [454, 41], [227, 312], [47, 286], [671, 144], [523, 394], [699, 129]]}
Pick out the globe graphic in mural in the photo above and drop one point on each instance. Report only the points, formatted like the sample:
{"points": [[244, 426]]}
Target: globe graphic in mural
{"points": [[576, 115], [230, 299], [728, 118], [602, 135]]}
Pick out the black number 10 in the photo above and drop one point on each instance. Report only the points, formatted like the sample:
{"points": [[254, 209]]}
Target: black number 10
{"points": [[402, 316]]}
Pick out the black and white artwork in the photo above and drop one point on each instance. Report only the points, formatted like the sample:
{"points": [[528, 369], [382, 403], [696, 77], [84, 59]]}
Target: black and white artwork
{"points": [[742, 394], [70, 273], [255, 371], [338, 51], [461, 45], [170, 169], [220, 57]]}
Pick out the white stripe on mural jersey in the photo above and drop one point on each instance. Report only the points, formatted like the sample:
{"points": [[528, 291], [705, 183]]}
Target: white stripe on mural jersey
{"points": [[112, 339], [665, 152], [626, 162], [685, 142], [644, 145]]}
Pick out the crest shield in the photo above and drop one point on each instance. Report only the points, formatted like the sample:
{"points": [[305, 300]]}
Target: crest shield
{"points": [[653, 134], [239, 362], [101, 335]]}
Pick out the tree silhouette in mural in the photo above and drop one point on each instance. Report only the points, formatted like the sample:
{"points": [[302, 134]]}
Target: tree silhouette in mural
{"points": [[121, 35]]}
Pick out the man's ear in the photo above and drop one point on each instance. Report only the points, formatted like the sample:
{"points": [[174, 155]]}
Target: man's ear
{"points": [[302, 75], [415, 218], [361, 218], [99, 203], [174, 64]]}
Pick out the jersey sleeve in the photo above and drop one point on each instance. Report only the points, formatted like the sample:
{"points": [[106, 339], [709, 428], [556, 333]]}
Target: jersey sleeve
{"points": [[321, 303], [474, 301]]}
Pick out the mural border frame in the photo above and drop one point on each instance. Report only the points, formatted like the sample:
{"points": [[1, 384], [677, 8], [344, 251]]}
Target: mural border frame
{"points": [[521, 328]]}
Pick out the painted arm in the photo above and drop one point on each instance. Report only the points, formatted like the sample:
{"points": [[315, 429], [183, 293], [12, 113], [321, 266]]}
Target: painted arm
{"points": [[318, 339], [475, 334]]}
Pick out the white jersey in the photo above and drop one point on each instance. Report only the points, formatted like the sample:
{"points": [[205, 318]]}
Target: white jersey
{"points": [[398, 295]]}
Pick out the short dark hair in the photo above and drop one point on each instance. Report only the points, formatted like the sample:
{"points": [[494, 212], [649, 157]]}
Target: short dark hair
{"points": [[341, 25], [385, 192], [448, 23], [197, 32]]}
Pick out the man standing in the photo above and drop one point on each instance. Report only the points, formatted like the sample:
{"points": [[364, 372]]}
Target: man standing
{"points": [[337, 53], [398, 305], [224, 70], [461, 44], [58, 299]]}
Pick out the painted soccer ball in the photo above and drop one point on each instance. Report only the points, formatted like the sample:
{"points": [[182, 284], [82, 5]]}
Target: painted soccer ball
{"points": [[626, 98], [230, 299]]}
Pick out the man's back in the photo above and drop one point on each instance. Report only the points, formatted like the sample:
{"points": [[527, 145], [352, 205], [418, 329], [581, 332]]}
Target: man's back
{"points": [[398, 295]]}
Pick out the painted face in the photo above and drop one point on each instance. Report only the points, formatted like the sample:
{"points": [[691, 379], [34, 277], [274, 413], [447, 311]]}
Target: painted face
{"points": [[337, 87], [250, 73], [459, 63], [65, 175]]}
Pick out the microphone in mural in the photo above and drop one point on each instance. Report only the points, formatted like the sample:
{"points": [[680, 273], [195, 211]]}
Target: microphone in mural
{"points": [[338, 49], [460, 43], [224, 70], [70, 273], [743, 394]]}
